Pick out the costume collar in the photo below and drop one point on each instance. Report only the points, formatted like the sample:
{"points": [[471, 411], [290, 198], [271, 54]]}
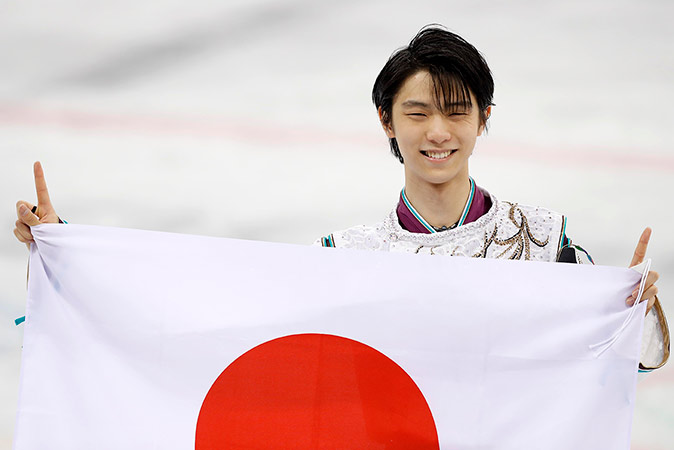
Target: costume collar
{"points": [[412, 221]]}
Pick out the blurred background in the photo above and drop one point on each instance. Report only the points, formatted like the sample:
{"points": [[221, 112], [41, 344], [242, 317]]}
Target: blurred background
{"points": [[252, 119]]}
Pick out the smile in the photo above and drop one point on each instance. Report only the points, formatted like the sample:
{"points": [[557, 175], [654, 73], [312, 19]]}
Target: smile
{"points": [[437, 155]]}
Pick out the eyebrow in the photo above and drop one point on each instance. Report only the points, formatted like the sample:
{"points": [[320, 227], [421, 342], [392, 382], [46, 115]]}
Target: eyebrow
{"points": [[420, 104], [417, 103]]}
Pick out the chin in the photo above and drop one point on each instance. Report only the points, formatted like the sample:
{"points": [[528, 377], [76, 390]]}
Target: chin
{"points": [[442, 178], [438, 181]]}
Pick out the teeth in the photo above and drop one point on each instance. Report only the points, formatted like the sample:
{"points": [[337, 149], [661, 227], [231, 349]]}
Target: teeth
{"points": [[438, 155]]}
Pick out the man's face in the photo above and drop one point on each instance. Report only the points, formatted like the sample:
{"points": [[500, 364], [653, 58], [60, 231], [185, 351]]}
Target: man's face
{"points": [[435, 146]]}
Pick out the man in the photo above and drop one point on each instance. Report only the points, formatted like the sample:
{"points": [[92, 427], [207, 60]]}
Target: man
{"points": [[434, 98]]}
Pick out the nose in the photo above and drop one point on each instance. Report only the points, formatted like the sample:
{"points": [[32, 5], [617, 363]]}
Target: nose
{"points": [[438, 130]]}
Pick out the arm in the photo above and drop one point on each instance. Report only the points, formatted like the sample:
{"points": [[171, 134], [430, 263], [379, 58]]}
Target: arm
{"points": [[655, 343]]}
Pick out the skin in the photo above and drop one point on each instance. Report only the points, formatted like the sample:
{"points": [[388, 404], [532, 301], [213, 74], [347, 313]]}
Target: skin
{"points": [[45, 212], [650, 290], [439, 189]]}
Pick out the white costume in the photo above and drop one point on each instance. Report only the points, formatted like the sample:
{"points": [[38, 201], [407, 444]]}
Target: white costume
{"points": [[506, 230]]}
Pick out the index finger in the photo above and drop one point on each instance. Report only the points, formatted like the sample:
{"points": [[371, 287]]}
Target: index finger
{"points": [[41, 186], [642, 245]]}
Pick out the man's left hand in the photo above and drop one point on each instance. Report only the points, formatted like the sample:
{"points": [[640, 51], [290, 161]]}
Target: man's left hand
{"points": [[650, 289]]}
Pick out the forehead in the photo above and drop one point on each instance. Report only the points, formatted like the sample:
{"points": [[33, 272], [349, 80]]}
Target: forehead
{"points": [[420, 87]]}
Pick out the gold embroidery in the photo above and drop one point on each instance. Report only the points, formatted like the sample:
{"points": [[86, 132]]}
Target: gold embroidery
{"points": [[423, 246], [519, 243]]}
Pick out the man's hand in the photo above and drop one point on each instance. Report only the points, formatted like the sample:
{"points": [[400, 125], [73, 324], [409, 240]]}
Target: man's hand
{"points": [[650, 289], [43, 214]]}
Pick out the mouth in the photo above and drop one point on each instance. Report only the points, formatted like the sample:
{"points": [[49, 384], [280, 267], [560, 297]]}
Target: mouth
{"points": [[438, 155]]}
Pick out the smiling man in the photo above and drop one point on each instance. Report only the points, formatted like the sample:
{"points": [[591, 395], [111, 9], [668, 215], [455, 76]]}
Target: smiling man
{"points": [[433, 133], [434, 98]]}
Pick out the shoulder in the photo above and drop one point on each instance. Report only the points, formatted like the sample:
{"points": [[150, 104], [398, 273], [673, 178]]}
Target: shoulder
{"points": [[521, 231], [531, 218]]}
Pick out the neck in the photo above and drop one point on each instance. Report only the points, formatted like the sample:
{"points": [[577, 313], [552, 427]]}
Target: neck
{"points": [[439, 204]]}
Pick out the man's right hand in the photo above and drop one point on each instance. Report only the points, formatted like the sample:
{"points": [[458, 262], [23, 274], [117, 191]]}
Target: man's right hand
{"points": [[43, 214]]}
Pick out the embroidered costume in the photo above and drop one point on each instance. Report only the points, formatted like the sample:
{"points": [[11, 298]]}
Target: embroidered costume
{"points": [[491, 228]]}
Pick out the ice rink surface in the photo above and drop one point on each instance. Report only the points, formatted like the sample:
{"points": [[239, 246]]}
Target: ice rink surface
{"points": [[252, 119]]}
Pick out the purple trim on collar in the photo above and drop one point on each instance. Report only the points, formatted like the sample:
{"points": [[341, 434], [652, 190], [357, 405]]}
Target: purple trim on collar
{"points": [[481, 204], [407, 220], [478, 208]]}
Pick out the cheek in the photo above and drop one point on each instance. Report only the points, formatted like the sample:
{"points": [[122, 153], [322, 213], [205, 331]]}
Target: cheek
{"points": [[405, 131], [406, 140]]}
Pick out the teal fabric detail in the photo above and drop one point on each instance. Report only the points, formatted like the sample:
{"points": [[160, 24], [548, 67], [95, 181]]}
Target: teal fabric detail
{"points": [[565, 240], [466, 208], [328, 241], [578, 247], [416, 214], [469, 203], [19, 321]]}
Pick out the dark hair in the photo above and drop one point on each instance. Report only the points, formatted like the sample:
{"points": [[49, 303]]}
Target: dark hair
{"points": [[455, 66]]}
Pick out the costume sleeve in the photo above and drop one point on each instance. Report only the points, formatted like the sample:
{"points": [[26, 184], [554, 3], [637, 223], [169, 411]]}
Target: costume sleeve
{"points": [[655, 338], [326, 241], [655, 343]]}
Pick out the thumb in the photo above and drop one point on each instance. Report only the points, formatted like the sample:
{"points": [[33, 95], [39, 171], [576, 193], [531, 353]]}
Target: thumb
{"points": [[25, 215]]}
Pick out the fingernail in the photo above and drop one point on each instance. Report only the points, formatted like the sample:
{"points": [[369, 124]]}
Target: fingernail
{"points": [[23, 210]]}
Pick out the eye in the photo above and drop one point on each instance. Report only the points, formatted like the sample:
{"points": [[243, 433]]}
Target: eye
{"points": [[417, 114]]}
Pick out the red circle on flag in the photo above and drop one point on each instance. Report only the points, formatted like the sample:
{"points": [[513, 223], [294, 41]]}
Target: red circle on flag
{"points": [[315, 391]]}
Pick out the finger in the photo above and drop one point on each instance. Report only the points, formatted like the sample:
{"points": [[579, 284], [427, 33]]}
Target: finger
{"points": [[43, 200], [20, 237], [652, 277], [28, 205], [640, 251], [24, 231], [651, 302], [26, 216], [648, 294], [23, 228]]}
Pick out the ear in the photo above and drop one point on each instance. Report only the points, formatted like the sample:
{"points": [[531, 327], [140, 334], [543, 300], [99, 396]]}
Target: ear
{"points": [[388, 129], [483, 125]]}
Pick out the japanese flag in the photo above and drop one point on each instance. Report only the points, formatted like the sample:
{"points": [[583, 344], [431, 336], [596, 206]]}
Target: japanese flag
{"points": [[144, 340]]}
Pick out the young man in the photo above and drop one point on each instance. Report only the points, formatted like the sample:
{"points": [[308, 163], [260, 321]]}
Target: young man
{"points": [[434, 98]]}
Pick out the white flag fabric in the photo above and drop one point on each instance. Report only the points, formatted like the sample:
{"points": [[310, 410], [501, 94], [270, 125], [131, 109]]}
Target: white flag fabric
{"points": [[147, 340]]}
